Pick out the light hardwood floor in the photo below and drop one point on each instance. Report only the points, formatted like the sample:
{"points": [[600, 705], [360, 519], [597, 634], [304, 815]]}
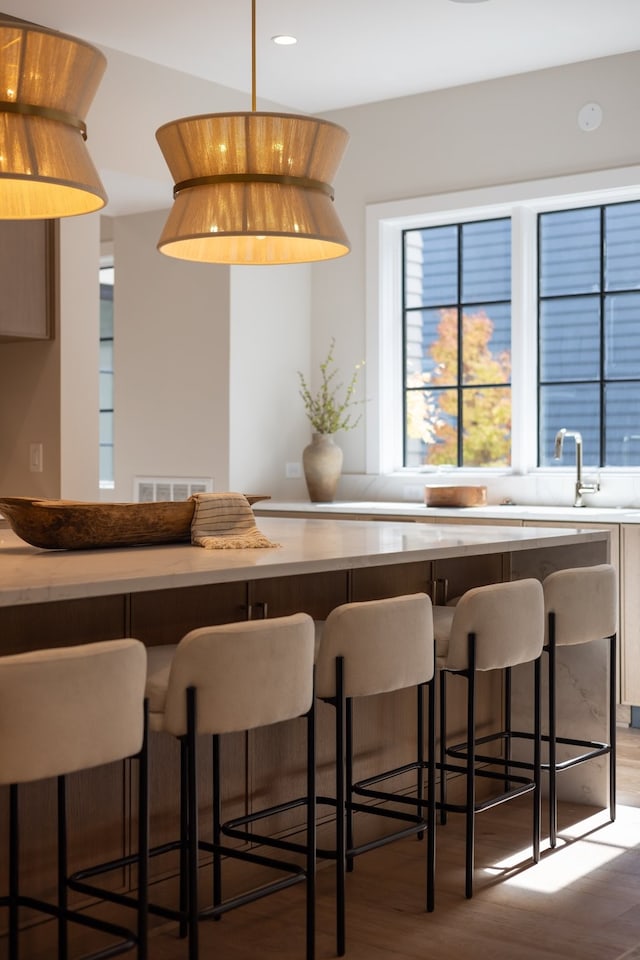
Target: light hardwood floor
{"points": [[581, 902]]}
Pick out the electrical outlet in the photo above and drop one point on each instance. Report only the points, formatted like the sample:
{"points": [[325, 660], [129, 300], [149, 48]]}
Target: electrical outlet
{"points": [[293, 470], [35, 457]]}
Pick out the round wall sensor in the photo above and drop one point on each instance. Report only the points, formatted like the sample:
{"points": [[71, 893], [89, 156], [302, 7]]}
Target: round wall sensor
{"points": [[590, 117]]}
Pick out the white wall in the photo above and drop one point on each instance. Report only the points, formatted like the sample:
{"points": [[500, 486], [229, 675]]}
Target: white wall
{"points": [[171, 361], [79, 339], [49, 389], [269, 321]]}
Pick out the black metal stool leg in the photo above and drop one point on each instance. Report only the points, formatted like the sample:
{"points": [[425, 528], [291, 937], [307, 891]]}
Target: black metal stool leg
{"points": [[192, 800], [341, 856], [612, 726], [471, 780], [311, 834], [13, 871], [349, 781], [420, 753], [537, 744], [431, 798], [217, 822], [443, 746], [184, 839], [553, 796], [507, 725], [63, 932], [143, 841]]}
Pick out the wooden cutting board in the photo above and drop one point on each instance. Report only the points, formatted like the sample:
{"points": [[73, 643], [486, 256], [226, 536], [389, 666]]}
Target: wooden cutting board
{"points": [[455, 496]]}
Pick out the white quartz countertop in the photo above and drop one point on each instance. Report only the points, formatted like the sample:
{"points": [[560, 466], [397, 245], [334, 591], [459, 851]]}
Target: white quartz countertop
{"points": [[378, 508], [31, 575]]}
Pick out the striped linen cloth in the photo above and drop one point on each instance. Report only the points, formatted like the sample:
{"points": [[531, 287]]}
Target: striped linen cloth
{"points": [[225, 521]]}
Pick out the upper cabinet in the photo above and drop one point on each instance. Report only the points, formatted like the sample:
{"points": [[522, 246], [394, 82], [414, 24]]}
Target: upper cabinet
{"points": [[28, 279]]}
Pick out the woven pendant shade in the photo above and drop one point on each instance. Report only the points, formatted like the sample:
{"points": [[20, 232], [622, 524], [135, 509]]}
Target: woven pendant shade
{"points": [[47, 83], [253, 188]]}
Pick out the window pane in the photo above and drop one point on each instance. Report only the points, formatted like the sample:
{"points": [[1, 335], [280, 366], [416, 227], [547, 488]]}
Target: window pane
{"points": [[106, 355], [106, 463], [106, 391], [575, 407], [486, 344], [431, 266], [622, 403], [106, 428], [570, 339], [486, 261], [486, 439], [432, 347], [106, 318], [432, 428], [622, 341], [622, 237], [569, 252]]}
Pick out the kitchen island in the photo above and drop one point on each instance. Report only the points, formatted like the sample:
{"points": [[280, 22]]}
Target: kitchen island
{"points": [[51, 598]]}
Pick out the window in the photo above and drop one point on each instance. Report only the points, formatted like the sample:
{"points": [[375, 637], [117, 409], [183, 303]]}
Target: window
{"points": [[589, 331], [106, 376], [554, 265], [457, 345]]}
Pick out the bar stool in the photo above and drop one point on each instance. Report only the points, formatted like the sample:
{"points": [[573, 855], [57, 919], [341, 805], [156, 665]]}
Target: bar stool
{"points": [[581, 607], [61, 711], [494, 627], [224, 679], [365, 649]]}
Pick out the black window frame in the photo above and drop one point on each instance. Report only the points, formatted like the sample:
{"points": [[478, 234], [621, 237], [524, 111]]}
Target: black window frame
{"points": [[460, 304]]}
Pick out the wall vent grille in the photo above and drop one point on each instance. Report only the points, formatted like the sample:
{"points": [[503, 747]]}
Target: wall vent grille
{"points": [[151, 489]]}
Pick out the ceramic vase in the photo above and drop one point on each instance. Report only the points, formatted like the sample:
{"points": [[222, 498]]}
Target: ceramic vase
{"points": [[322, 464]]}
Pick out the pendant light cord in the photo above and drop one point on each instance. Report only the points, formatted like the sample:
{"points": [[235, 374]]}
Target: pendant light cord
{"points": [[253, 56]]}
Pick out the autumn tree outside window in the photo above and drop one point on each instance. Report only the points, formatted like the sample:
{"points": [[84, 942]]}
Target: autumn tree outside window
{"points": [[457, 345]]}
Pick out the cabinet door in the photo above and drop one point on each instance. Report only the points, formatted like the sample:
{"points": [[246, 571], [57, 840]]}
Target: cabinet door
{"points": [[62, 623], [28, 270], [453, 576], [391, 580], [314, 593], [164, 616]]}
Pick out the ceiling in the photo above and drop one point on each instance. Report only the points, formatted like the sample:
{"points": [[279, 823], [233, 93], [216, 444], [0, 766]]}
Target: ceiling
{"points": [[349, 52]]}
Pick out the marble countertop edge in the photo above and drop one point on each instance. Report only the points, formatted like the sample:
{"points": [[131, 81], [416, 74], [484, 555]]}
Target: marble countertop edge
{"points": [[308, 546]]}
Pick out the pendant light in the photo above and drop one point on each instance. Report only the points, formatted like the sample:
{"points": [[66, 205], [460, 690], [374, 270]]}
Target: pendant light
{"points": [[253, 188], [47, 83]]}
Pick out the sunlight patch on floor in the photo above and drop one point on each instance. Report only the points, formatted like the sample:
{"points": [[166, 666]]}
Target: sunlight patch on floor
{"points": [[583, 847]]}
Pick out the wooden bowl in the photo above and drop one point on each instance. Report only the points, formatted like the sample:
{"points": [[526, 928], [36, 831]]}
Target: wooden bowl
{"points": [[455, 496], [82, 525]]}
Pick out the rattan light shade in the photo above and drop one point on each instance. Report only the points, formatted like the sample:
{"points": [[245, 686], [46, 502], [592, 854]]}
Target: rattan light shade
{"points": [[253, 188], [47, 83]]}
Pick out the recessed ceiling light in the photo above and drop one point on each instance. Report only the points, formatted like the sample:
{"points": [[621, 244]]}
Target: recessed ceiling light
{"points": [[468, 1], [283, 40]]}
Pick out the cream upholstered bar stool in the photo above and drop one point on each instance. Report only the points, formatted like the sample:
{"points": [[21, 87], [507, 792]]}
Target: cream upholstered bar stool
{"points": [[224, 679], [61, 711], [366, 649], [581, 606], [494, 627]]}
